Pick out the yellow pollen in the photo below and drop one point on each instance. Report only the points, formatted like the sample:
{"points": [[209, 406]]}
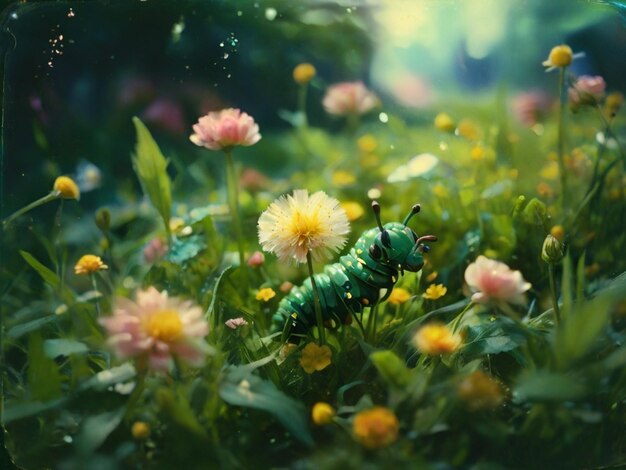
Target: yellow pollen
{"points": [[306, 227], [164, 325]]}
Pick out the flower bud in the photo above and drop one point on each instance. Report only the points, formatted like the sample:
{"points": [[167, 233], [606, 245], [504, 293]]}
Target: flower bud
{"points": [[304, 73], [553, 250], [103, 219], [322, 413], [140, 430], [66, 187]]}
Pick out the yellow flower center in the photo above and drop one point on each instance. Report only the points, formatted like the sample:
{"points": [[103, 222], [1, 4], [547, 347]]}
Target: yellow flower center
{"points": [[306, 227], [560, 56], [165, 325]]}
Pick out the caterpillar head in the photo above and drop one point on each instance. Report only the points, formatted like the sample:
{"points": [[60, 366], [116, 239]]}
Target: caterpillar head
{"points": [[397, 245]]}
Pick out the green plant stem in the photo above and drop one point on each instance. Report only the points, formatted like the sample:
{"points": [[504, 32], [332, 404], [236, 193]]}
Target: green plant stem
{"points": [[555, 299], [39, 202], [561, 137], [459, 317], [302, 94], [371, 323], [95, 288], [233, 202], [316, 301]]}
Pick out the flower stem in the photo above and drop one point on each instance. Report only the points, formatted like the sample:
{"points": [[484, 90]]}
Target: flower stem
{"points": [[95, 288], [47, 198], [233, 202], [555, 300], [459, 317], [302, 93], [316, 301], [561, 136]]}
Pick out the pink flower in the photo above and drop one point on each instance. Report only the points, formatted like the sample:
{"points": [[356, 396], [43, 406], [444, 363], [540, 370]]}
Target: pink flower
{"points": [[155, 250], [529, 108], [256, 259], [235, 323], [225, 128], [157, 327], [349, 98], [587, 90], [491, 280]]}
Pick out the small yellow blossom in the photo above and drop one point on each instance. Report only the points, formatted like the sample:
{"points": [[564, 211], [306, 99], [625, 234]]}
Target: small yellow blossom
{"points": [[558, 232], [436, 338], [440, 190], [545, 190], [322, 413], [469, 130], [432, 276], [444, 122], [375, 428], [480, 391], [315, 357], [398, 296], [367, 143], [560, 56], [343, 178], [304, 73], [354, 210], [140, 430], [265, 294], [435, 291], [550, 171], [67, 188], [478, 153], [89, 264], [176, 224]]}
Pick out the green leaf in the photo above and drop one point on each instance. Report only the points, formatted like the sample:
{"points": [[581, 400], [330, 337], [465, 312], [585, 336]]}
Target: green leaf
{"points": [[177, 408], [151, 168], [546, 386], [44, 378], [15, 411], [95, 429], [391, 368], [581, 327], [22, 329], [492, 337], [567, 292], [54, 348], [48, 276], [253, 392], [184, 249]]}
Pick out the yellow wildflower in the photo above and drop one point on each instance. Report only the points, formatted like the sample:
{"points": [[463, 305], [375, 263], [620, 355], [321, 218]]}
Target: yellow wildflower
{"points": [[375, 428], [322, 413], [436, 338], [550, 171], [398, 296], [265, 294], [315, 357], [354, 210], [304, 73], [477, 153], [435, 291], [560, 56], [440, 190], [367, 143], [444, 122], [66, 187], [343, 178], [432, 276], [468, 129], [140, 430], [89, 264], [480, 391], [558, 232]]}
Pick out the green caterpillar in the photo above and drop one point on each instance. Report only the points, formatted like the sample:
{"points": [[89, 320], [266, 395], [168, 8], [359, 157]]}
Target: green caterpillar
{"points": [[362, 278]]}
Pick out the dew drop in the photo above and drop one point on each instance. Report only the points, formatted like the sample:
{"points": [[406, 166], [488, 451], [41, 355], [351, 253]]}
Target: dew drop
{"points": [[383, 117], [221, 44], [270, 14]]}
